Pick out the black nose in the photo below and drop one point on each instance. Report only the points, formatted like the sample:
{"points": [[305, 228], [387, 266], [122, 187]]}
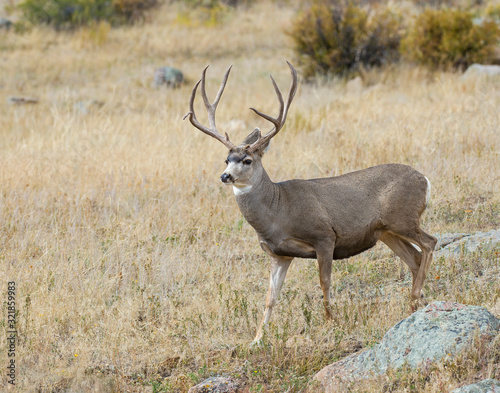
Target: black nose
{"points": [[225, 177]]}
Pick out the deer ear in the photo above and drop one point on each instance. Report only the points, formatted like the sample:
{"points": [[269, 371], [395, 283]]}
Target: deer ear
{"points": [[263, 149], [251, 138]]}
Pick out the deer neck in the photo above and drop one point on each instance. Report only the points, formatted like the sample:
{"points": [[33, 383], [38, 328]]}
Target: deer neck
{"points": [[260, 203]]}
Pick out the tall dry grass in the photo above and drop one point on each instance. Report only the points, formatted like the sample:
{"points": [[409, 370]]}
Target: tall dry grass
{"points": [[135, 270]]}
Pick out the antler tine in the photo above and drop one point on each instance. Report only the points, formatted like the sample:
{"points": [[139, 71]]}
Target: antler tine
{"points": [[279, 121], [276, 121], [211, 108]]}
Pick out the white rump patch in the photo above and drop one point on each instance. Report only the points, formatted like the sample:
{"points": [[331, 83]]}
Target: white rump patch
{"points": [[428, 193], [241, 190]]}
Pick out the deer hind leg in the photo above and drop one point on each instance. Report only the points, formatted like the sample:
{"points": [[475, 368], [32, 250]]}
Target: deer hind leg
{"points": [[279, 267], [419, 263], [427, 243], [405, 251]]}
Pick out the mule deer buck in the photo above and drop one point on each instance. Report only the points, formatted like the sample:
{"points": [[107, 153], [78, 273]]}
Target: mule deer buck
{"points": [[327, 218]]}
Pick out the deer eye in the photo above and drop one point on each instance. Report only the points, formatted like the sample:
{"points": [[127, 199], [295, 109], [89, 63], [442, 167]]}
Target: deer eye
{"points": [[247, 162], [226, 162]]}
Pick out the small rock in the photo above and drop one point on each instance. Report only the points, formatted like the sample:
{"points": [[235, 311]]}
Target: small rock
{"points": [[85, 106], [5, 24], [481, 70], [168, 76], [217, 385], [486, 386], [22, 100], [437, 332]]}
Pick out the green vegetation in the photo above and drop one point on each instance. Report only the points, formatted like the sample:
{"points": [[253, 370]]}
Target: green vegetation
{"points": [[64, 14], [449, 38]]}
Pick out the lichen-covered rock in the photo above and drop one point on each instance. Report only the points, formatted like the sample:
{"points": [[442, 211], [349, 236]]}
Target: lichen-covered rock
{"points": [[168, 76], [217, 385], [5, 24], [435, 333], [446, 239], [469, 243], [486, 386]]}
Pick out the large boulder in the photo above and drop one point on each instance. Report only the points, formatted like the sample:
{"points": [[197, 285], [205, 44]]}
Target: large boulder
{"points": [[456, 243], [485, 386], [437, 332]]}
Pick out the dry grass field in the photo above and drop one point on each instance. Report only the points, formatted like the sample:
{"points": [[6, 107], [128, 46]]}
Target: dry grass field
{"points": [[135, 270]]}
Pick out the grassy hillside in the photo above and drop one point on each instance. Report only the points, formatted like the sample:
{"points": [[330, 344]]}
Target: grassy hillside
{"points": [[134, 268]]}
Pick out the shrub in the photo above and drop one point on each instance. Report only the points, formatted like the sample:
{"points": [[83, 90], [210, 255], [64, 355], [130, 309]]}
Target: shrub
{"points": [[342, 39], [448, 38], [205, 12], [462, 4], [132, 10], [72, 13], [208, 13], [216, 3]]}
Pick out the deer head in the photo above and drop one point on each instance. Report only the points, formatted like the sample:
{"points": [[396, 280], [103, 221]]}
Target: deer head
{"points": [[244, 167]]}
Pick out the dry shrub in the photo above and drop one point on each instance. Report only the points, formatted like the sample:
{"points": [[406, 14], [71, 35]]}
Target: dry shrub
{"points": [[449, 38], [342, 39], [132, 10]]}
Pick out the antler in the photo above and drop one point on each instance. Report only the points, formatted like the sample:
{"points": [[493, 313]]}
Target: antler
{"points": [[279, 121], [212, 131]]}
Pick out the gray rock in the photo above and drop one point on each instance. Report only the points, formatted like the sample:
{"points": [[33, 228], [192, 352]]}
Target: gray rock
{"points": [[217, 385], [435, 333], [447, 238], [486, 386], [85, 106], [481, 70], [168, 76], [469, 243], [5, 24]]}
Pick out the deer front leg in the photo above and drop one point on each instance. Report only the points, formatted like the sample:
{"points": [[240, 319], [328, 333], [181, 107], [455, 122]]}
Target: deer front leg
{"points": [[325, 260], [279, 267]]}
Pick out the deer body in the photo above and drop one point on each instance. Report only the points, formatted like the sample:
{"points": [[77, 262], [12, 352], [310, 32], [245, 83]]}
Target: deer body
{"points": [[333, 210], [327, 218]]}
